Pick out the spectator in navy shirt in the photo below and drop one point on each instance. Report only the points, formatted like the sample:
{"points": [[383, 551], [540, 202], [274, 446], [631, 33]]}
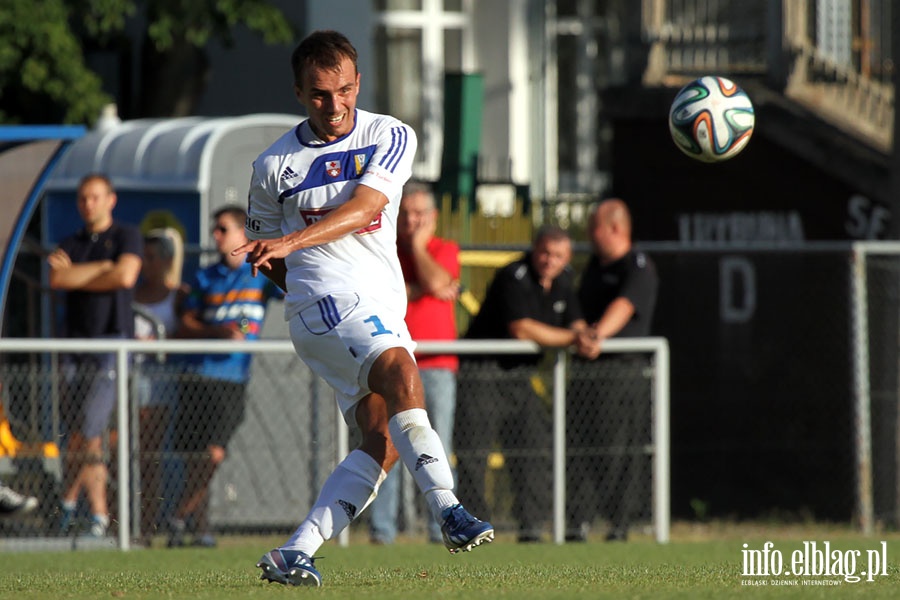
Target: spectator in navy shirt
{"points": [[224, 301], [97, 267]]}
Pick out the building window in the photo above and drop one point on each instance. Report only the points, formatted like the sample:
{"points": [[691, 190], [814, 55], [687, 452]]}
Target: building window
{"points": [[417, 41], [582, 160]]}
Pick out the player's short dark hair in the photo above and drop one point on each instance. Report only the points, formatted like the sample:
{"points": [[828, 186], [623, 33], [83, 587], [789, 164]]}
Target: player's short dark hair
{"points": [[96, 176], [416, 186], [234, 211], [553, 233], [322, 49]]}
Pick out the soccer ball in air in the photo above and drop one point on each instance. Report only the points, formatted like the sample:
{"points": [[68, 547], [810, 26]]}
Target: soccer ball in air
{"points": [[711, 119]]}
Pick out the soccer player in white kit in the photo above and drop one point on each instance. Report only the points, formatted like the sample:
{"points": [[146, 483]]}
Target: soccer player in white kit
{"points": [[322, 217]]}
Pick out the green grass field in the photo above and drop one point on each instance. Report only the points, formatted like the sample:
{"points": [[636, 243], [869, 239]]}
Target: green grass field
{"points": [[697, 564]]}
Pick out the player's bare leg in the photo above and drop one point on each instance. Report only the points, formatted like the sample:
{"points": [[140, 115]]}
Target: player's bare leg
{"points": [[386, 434], [395, 376], [349, 489]]}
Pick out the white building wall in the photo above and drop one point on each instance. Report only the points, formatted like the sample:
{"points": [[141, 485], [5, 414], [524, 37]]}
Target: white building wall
{"points": [[502, 54], [521, 140]]}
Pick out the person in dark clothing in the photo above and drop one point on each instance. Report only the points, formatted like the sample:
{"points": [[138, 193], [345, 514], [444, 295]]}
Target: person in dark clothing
{"points": [[97, 267], [529, 299], [617, 293]]}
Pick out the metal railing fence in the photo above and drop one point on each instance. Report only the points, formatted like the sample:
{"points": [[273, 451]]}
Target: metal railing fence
{"points": [[125, 350]]}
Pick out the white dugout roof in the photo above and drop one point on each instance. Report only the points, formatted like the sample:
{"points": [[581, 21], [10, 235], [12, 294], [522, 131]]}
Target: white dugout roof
{"points": [[186, 153]]}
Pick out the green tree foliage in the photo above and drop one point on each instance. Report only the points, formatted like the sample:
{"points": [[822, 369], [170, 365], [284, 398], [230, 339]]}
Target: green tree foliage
{"points": [[44, 77], [197, 21]]}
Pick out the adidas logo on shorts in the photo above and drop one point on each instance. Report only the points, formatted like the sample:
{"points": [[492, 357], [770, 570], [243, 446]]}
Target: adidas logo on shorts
{"points": [[349, 508], [423, 460]]}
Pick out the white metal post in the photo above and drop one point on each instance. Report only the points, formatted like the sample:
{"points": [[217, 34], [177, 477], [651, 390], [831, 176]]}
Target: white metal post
{"points": [[559, 447], [661, 459], [123, 492], [343, 449], [862, 392]]}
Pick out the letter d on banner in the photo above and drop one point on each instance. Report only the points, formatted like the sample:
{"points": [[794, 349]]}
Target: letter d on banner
{"points": [[737, 289]]}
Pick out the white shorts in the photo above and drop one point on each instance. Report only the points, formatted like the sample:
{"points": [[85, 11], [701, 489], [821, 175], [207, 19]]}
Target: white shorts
{"points": [[339, 337]]}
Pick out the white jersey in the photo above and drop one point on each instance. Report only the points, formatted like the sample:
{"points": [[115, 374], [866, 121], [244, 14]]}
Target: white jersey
{"points": [[299, 179]]}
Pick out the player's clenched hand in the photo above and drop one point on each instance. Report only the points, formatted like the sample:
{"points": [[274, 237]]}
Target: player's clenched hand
{"points": [[260, 252]]}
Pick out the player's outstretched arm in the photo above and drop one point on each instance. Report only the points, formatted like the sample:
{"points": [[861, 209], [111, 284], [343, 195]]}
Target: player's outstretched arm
{"points": [[358, 212]]}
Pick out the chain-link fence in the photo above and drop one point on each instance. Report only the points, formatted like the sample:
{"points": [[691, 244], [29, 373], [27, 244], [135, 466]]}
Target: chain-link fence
{"points": [[784, 380], [876, 273], [283, 447], [504, 444], [289, 438]]}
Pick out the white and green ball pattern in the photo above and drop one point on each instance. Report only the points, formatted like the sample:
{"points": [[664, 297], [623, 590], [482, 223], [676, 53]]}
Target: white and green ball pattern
{"points": [[711, 119]]}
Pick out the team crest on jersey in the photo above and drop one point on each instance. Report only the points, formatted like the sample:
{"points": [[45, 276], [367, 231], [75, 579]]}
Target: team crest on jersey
{"points": [[333, 168], [360, 161]]}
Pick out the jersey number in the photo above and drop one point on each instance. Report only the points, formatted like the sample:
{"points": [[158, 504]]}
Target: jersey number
{"points": [[378, 325]]}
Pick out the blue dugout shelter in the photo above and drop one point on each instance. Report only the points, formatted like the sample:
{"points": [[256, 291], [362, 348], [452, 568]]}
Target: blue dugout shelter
{"points": [[27, 156]]}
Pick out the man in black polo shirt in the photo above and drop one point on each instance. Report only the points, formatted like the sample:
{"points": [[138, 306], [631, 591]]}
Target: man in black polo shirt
{"points": [[97, 267], [529, 299], [608, 413]]}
